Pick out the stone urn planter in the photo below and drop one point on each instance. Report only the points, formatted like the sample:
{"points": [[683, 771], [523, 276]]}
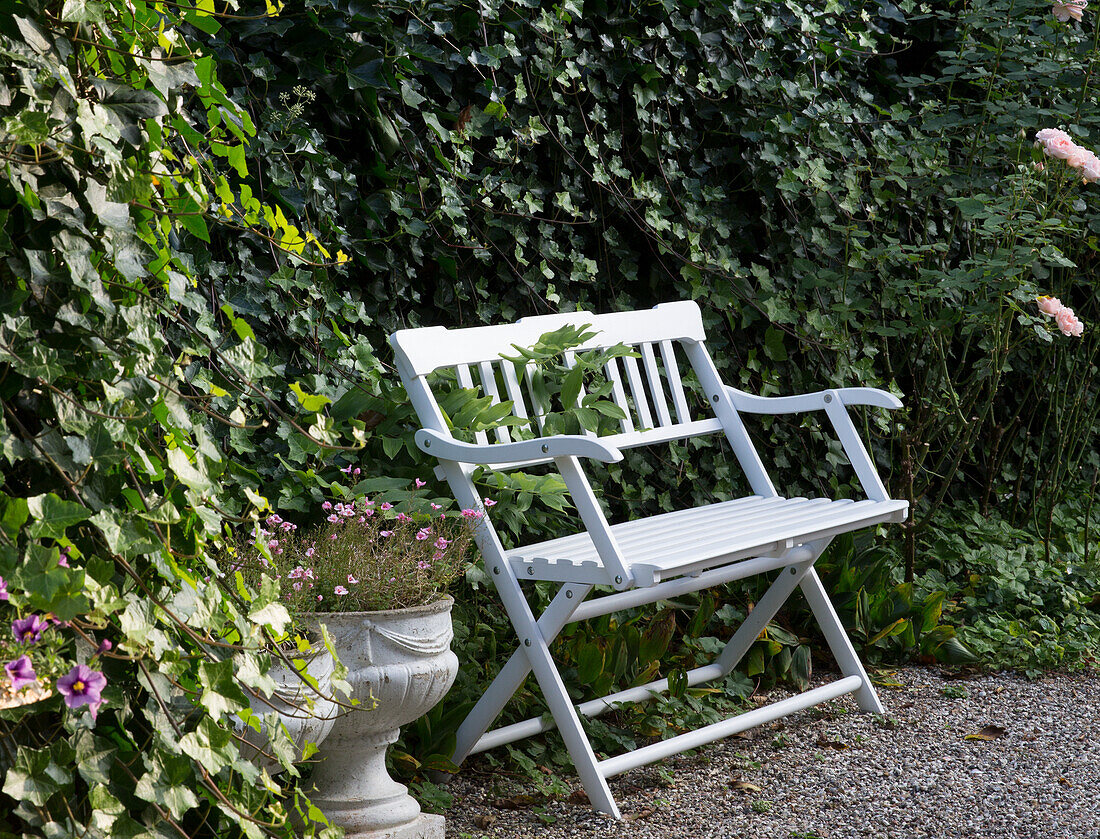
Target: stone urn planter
{"points": [[290, 701], [399, 666]]}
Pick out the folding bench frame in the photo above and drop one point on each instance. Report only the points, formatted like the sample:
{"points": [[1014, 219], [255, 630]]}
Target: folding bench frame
{"points": [[421, 351]]}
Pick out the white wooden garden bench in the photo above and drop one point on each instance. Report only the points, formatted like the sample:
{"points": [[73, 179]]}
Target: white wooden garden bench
{"points": [[647, 560]]}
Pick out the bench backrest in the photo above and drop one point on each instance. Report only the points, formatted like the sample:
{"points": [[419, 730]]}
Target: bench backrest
{"points": [[649, 389]]}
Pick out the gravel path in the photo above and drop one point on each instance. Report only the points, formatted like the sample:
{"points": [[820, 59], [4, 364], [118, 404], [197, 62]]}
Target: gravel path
{"points": [[832, 772]]}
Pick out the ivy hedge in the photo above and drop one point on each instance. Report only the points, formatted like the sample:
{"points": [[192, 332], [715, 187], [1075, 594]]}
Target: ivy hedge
{"points": [[211, 214]]}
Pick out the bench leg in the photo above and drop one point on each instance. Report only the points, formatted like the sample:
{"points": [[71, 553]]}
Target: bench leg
{"points": [[515, 671], [850, 665], [801, 560]]}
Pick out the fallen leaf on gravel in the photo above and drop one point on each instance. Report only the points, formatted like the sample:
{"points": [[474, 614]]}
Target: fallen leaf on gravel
{"points": [[644, 813], [578, 796], [832, 744], [990, 732], [483, 822], [517, 802], [1064, 782], [743, 786]]}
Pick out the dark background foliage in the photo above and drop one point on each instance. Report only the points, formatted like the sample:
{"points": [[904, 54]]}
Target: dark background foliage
{"points": [[204, 246]]}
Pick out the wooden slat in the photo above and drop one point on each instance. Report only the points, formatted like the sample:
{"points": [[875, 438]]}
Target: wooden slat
{"points": [[637, 391], [536, 408], [649, 363], [670, 541], [675, 384], [428, 348], [515, 393], [489, 386], [462, 371], [618, 394]]}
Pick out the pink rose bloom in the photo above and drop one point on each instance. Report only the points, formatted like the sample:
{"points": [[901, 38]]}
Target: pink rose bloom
{"points": [[1047, 134], [1069, 9], [1069, 323], [1060, 147], [1049, 305], [1078, 157], [1090, 169]]}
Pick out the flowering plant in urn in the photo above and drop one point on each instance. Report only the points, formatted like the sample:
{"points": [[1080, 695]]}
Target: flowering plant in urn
{"points": [[374, 578]]}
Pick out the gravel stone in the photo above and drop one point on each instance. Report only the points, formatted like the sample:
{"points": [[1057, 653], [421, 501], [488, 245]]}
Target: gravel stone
{"points": [[837, 773]]}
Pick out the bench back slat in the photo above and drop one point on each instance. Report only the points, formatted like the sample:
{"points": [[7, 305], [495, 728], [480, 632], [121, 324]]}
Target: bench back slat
{"points": [[649, 364], [490, 389], [675, 384], [638, 389], [462, 373], [637, 392]]}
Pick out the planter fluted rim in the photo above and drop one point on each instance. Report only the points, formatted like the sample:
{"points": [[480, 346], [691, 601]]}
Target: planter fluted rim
{"points": [[433, 608]]}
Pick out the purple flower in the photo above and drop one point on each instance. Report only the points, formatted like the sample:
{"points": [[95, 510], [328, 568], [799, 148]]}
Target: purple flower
{"points": [[29, 630], [63, 560], [385, 533], [423, 566], [103, 647], [326, 506], [420, 483], [83, 686], [334, 518], [423, 533], [20, 672], [441, 543], [3, 589]]}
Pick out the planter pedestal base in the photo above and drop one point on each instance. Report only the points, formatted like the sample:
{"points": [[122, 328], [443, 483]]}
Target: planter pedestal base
{"points": [[424, 826]]}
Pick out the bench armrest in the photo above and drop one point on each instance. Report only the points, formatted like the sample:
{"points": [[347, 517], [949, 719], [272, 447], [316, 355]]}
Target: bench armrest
{"points": [[751, 404], [544, 448], [834, 403]]}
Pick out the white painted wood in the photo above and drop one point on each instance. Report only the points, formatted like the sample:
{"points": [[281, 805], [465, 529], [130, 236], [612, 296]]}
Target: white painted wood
{"points": [[716, 731], [653, 376], [538, 411], [515, 392], [618, 394], [489, 386], [686, 541], [675, 383], [721, 403], [598, 530], [662, 556], [637, 392], [565, 445], [428, 348], [800, 403], [843, 652], [462, 373], [854, 448]]}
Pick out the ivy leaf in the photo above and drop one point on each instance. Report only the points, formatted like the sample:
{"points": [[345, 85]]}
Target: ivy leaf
{"points": [[53, 516], [168, 783], [209, 746], [35, 777], [220, 692], [191, 477], [310, 402]]}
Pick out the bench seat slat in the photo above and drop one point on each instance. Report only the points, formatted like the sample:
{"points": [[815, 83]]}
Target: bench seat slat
{"points": [[686, 541]]}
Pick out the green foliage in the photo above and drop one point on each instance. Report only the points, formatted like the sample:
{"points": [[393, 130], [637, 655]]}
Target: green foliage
{"points": [[186, 344], [128, 394], [569, 390]]}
